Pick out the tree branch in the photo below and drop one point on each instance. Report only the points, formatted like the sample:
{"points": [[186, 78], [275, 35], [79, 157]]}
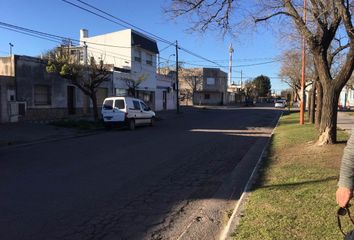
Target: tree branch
{"points": [[271, 16]]}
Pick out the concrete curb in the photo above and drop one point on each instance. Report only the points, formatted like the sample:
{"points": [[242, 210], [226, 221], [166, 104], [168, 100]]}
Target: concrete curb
{"points": [[234, 219]]}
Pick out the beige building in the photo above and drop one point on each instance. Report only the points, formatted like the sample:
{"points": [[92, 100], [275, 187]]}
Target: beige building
{"points": [[202, 86], [29, 93]]}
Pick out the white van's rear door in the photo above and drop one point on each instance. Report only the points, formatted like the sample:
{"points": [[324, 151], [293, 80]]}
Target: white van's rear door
{"points": [[119, 110], [113, 110]]}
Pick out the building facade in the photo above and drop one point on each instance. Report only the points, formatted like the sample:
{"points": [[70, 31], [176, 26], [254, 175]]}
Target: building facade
{"points": [[29, 93], [203, 86], [132, 56], [165, 92]]}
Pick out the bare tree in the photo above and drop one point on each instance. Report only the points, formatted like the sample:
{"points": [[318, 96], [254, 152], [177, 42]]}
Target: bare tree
{"points": [[134, 84], [185, 95], [250, 91], [86, 78], [191, 81], [328, 34], [290, 71]]}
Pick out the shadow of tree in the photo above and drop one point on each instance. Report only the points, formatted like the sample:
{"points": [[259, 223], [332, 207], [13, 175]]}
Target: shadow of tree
{"points": [[296, 184]]}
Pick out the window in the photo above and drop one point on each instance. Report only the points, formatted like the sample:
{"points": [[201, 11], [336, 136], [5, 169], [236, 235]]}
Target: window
{"points": [[42, 95], [81, 53], [119, 104], [210, 81], [207, 96], [108, 105], [137, 56], [121, 92], [144, 107], [136, 105], [149, 59], [147, 97]]}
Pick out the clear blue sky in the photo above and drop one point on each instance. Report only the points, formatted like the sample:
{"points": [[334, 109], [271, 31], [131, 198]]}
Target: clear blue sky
{"points": [[59, 18]]}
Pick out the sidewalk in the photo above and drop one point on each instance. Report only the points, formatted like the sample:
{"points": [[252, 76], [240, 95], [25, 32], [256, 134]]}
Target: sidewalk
{"points": [[24, 133], [12, 134], [345, 121]]}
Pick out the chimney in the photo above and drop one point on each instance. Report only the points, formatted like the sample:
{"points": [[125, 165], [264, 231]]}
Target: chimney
{"points": [[83, 33]]}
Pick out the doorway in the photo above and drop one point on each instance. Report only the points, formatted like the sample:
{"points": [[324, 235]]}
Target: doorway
{"points": [[71, 99], [164, 100]]}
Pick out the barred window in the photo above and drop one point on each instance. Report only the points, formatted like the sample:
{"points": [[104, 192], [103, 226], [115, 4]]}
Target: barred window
{"points": [[42, 95], [149, 59], [210, 81], [137, 55], [121, 92]]}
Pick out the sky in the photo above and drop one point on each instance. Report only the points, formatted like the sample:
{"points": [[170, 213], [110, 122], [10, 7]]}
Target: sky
{"points": [[60, 18]]}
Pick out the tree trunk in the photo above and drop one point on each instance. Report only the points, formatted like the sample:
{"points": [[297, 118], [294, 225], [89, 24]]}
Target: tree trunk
{"points": [[328, 125], [319, 95], [312, 108], [94, 105]]}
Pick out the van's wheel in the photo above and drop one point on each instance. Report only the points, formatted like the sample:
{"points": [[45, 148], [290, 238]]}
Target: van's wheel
{"points": [[152, 122], [131, 124]]}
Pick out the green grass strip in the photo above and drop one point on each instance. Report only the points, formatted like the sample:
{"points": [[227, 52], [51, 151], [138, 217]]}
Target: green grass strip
{"points": [[295, 194]]}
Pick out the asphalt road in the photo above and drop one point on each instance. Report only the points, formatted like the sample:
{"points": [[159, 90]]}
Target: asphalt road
{"points": [[143, 184]]}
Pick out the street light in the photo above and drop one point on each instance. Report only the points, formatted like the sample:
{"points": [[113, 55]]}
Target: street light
{"points": [[168, 60], [11, 45]]}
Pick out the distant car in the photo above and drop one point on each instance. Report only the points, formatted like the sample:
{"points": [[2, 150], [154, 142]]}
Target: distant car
{"points": [[296, 104], [279, 104], [126, 111]]}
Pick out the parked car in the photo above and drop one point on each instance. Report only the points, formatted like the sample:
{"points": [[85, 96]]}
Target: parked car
{"points": [[126, 111], [296, 104], [279, 104]]}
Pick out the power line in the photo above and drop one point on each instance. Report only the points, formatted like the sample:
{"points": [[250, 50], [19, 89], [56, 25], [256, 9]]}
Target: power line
{"points": [[245, 65], [29, 34], [121, 20], [241, 60], [48, 36], [155, 37], [60, 39], [166, 47]]}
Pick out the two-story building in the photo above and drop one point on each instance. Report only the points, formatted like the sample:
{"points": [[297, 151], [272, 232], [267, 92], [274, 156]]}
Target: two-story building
{"points": [[203, 86], [133, 57]]}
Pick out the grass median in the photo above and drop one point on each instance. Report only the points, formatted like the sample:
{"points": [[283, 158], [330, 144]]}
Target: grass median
{"points": [[295, 194]]}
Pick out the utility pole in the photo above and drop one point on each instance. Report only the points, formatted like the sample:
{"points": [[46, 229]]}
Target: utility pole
{"points": [[231, 50], [86, 99], [177, 91], [302, 107]]}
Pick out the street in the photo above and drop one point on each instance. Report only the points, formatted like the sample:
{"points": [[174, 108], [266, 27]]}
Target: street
{"points": [[120, 184]]}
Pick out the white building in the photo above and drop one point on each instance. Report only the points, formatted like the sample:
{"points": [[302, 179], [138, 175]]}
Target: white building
{"points": [[133, 57], [165, 94], [346, 98]]}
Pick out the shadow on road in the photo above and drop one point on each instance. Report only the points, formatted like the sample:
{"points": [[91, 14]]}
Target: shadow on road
{"points": [[145, 184]]}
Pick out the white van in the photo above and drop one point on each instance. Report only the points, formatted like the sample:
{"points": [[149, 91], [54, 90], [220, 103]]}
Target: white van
{"points": [[126, 111]]}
